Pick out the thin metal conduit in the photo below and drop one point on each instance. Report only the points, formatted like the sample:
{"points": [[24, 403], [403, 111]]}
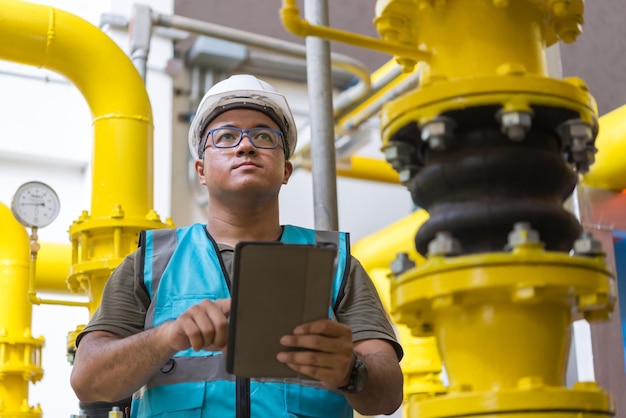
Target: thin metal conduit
{"points": [[364, 115], [345, 103], [302, 157], [352, 95], [322, 124]]}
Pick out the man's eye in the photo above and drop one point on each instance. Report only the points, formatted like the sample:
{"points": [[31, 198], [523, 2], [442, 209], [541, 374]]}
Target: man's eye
{"points": [[227, 136]]}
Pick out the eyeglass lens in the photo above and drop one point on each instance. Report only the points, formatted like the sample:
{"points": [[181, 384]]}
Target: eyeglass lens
{"points": [[231, 137]]}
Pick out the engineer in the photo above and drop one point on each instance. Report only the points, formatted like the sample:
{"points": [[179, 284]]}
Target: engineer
{"points": [[160, 331]]}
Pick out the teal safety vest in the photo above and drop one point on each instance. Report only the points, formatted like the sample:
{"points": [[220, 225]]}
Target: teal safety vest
{"points": [[181, 268]]}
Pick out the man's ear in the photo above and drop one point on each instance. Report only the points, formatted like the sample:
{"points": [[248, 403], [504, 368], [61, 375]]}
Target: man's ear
{"points": [[288, 171], [199, 165]]}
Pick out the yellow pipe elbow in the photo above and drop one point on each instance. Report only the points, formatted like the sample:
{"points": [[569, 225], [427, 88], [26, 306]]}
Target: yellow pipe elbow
{"points": [[290, 17], [43, 36], [122, 167], [378, 250], [608, 171]]}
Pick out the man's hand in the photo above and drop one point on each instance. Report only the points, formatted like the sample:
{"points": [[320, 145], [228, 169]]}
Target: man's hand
{"points": [[325, 352], [203, 326]]}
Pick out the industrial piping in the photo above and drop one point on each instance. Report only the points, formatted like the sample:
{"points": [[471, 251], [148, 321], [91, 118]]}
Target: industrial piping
{"points": [[49, 38], [498, 239]]}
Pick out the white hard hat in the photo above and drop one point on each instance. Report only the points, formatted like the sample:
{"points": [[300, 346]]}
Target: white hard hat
{"points": [[247, 92]]}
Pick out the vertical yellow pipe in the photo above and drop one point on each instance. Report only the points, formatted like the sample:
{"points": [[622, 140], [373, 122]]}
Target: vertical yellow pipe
{"points": [[20, 353], [461, 31]]}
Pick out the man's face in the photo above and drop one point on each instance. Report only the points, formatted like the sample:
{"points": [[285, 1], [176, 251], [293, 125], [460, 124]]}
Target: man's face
{"points": [[244, 167]]}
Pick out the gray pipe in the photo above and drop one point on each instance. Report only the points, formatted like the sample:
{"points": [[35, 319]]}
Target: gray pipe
{"points": [[140, 34], [352, 95], [322, 121]]}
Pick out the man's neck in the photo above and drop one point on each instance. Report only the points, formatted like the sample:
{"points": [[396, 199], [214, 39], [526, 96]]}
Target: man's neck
{"points": [[232, 225]]}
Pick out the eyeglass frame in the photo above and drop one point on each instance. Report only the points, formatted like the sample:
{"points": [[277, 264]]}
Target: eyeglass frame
{"points": [[209, 132]]}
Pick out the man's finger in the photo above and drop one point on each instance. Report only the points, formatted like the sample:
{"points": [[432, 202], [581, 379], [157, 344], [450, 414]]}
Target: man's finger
{"points": [[326, 327]]}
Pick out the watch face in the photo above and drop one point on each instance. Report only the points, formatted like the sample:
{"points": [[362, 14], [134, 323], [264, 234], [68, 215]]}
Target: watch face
{"points": [[35, 204], [357, 377], [360, 375]]}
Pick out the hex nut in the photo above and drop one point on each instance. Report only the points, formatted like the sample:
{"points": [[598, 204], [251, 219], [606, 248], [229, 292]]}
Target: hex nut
{"points": [[444, 244], [515, 124], [587, 245], [401, 263], [522, 234]]}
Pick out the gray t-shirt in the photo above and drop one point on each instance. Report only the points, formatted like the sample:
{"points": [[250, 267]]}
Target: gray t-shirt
{"points": [[125, 302]]}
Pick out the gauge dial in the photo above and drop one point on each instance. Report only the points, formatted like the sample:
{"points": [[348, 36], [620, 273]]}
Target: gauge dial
{"points": [[35, 204]]}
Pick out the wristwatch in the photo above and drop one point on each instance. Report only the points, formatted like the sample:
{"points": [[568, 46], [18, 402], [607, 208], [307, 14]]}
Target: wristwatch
{"points": [[358, 376]]}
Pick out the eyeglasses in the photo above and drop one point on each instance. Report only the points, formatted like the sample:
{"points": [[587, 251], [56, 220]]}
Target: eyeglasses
{"points": [[229, 137]]}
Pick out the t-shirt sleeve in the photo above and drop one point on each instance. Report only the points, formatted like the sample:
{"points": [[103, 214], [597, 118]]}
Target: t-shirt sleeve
{"points": [[362, 310], [124, 301]]}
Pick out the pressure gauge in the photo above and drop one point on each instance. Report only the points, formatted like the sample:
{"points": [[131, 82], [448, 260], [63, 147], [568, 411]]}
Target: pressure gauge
{"points": [[35, 204]]}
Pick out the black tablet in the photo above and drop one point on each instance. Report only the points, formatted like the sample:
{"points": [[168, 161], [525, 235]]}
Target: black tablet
{"points": [[276, 287]]}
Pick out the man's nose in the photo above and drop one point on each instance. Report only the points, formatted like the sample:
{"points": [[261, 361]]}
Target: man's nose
{"points": [[245, 144]]}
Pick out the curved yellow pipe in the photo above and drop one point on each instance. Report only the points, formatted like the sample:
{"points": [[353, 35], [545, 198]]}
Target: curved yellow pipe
{"points": [[608, 171], [47, 37], [122, 171], [421, 364], [378, 250]]}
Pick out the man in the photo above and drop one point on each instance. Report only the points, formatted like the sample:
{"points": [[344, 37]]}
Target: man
{"points": [[163, 320]]}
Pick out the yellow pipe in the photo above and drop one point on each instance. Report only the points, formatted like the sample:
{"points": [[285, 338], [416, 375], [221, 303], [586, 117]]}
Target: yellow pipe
{"points": [[503, 64], [122, 172], [421, 365], [608, 171], [383, 70], [32, 289], [378, 250], [122, 182], [290, 16], [53, 262], [496, 38], [20, 352], [484, 310], [46, 37], [365, 168]]}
